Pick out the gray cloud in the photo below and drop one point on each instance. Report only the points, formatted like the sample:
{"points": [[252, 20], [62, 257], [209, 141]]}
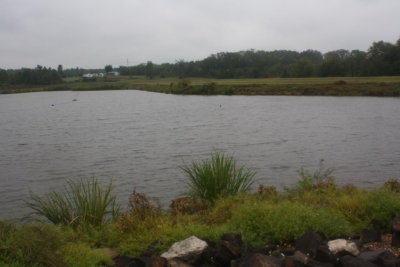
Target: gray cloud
{"points": [[93, 33]]}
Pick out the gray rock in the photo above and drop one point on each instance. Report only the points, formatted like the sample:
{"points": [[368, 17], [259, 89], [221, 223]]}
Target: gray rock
{"points": [[338, 245], [187, 250]]}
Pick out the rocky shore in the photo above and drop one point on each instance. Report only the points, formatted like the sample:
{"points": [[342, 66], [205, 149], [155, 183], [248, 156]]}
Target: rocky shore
{"points": [[370, 248]]}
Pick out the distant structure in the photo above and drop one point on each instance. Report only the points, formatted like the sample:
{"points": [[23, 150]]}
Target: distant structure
{"points": [[113, 73], [93, 75]]}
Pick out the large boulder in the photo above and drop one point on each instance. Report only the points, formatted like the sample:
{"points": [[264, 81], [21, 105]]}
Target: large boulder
{"points": [[188, 250], [340, 245]]}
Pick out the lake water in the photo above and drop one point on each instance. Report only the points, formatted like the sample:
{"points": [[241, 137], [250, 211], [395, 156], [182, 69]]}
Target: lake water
{"points": [[139, 139]]}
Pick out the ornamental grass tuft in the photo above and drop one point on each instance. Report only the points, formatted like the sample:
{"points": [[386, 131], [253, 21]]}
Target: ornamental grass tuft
{"points": [[82, 202], [217, 177]]}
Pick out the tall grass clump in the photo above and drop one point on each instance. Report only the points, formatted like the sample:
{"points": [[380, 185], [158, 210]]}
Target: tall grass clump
{"points": [[217, 177], [82, 202]]}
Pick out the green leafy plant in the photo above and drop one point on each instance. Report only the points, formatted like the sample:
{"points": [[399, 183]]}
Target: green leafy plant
{"points": [[321, 177], [217, 177], [81, 202]]}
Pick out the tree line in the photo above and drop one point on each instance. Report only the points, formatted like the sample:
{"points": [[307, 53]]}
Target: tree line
{"points": [[382, 58], [37, 76]]}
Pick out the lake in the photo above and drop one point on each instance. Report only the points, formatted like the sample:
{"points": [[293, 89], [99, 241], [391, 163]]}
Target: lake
{"points": [[139, 139]]}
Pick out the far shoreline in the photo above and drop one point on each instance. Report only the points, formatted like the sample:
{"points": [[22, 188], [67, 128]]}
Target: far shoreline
{"points": [[387, 86]]}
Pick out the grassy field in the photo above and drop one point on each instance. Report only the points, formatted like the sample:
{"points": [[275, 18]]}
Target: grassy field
{"points": [[330, 86]]}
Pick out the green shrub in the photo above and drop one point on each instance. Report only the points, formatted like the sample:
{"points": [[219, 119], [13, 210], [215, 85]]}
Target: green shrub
{"points": [[142, 206], [208, 88], [352, 205], [218, 177], [81, 255], [393, 184], [319, 178], [81, 202], [161, 232], [33, 245], [383, 204], [285, 221]]}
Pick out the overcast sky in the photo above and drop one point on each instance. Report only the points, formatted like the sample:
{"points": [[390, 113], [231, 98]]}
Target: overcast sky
{"points": [[93, 33]]}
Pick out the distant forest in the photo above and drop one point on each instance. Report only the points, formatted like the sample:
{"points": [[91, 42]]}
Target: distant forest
{"points": [[381, 59]]}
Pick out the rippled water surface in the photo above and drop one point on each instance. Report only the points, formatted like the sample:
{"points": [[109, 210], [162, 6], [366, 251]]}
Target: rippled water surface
{"points": [[139, 139]]}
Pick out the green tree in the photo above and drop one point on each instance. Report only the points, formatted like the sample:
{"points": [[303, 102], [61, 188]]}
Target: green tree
{"points": [[108, 68], [3, 76], [60, 70], [150, 70]]}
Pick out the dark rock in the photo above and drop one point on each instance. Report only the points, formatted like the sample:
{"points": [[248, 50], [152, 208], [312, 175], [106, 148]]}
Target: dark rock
{"points": [[301, 257], [286, 252], [320, 264], [324, 254], [351, 261], [371, 255], [230, 247], [233, 248], [208, 255], [290, 262], [156, 261], [396, 239], [370, 235], [396, 232], [178, 263], [377, 225], [309, 243], [233, 238], [396, 224], [124, 261], [260, 260], [343, 253], [387, 259]]}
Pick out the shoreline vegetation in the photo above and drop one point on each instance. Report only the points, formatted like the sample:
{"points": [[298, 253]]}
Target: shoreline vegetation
{"points": [[82, 226], [328, 86]]}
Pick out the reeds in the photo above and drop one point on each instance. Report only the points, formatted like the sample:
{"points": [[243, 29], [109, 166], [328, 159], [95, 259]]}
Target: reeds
{"points": [[218, 177], [81, 202]]}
